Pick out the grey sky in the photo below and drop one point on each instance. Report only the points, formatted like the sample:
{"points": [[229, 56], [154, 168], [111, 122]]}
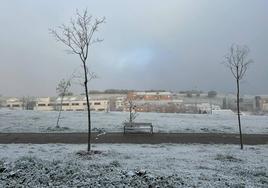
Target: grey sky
{"points": [[173, 45]]}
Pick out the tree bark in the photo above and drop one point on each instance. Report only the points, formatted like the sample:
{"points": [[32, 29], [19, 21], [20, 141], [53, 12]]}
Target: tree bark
{"points": [[130, 112], [57, 126], [88, 108], [61, 101], [238, 112]]}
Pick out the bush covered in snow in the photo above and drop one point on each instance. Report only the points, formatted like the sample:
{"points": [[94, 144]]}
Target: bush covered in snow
{"points": [[34, 172]]}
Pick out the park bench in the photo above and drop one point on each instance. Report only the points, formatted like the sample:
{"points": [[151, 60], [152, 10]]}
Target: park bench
{"points": [[138, 127]]}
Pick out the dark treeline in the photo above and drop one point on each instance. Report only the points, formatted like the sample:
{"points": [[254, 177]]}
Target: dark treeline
{"points": [[120, 91]]}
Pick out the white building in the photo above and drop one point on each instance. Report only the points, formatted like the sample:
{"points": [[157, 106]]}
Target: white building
{"points": [[45, 104], [71, 103], [14, 103], [78, 103], [265, 107], [207, 108], [120, 102]]}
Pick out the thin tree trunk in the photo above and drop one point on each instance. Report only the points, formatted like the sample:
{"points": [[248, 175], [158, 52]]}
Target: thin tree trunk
{"points": [[130, 112], [58, 120], [88, 108], [238, 112]]}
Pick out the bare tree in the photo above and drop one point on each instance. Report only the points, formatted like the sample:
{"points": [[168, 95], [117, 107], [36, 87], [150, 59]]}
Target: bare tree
{"points": [[132, 111], [28, 103], [236, 60], [62, 89], [78, 37]]}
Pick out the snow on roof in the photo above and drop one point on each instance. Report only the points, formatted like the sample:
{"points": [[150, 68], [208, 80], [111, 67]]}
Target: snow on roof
{"points": [[13, 99]]}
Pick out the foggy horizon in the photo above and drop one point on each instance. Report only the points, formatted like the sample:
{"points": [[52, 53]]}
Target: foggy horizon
{"points": [[173, 46]]}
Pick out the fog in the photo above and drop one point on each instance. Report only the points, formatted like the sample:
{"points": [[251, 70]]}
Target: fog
{"points": [[173, 45]]}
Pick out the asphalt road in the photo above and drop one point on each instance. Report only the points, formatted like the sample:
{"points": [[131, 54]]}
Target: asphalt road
{"points": [[156, 138]]}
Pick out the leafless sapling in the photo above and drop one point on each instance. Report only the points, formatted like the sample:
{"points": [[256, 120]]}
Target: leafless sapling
{"points": [[62, 89], [78, 36], [132, 111], [237, 61]]}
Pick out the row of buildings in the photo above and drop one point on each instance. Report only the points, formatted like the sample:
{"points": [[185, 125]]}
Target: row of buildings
{"points": [[69, 103], [166, 102]]}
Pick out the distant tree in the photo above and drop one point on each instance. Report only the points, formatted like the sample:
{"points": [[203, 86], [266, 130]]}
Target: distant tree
{"points": [[117, 91], [224, 103], [132, 111], [78, 37], [95, 92], [1, 101], [28, 103], [258, 103], [212, 94], [189, 94], [62, 90], [237, 61]]}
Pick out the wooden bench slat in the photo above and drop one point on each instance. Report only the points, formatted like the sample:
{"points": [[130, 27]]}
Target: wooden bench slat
{"points": [[138, 127]]}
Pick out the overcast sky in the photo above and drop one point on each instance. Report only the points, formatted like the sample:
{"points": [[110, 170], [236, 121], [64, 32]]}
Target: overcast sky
{"points": [[173, 45]]}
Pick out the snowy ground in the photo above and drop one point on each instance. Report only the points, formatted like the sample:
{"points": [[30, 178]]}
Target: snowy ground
{"points": [[134, 166], [36, 121]]}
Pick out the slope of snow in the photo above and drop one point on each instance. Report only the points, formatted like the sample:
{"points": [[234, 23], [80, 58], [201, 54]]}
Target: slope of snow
{"points": [[38, 121], [129, 165]]}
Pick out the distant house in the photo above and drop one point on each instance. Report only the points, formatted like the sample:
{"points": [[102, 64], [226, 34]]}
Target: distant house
{"points": [[120, 102], [263, 103], [71, 103], [45, 104], [14, 103], [164, 106], [206, 108], [149, 95], [78, 103]]}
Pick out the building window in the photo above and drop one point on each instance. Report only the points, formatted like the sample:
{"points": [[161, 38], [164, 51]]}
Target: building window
{"points": [[41, 104], [15, 105], [86, 104], [50, 104], [75, 104], [97, 103], [65, 104]]}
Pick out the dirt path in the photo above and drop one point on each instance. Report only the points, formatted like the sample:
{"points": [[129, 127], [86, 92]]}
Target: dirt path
{"points": [[156, 138]]}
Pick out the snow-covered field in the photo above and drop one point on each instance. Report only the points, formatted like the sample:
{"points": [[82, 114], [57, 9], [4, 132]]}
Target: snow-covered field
{"points": [[128, 165], [37, 121]]}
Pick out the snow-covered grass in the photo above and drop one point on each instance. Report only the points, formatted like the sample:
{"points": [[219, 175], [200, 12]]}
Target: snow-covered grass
{"points": [[129, 165], [37, 121]]}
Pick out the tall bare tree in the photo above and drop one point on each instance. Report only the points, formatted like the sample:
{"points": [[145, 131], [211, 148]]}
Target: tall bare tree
{"points": [[78, 36], [237, 61]]}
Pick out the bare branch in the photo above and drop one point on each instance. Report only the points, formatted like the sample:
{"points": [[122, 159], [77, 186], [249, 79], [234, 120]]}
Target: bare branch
{"points": [[78, 35], [235, 60]]}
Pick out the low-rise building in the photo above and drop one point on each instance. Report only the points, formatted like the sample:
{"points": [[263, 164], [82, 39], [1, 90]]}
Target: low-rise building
{"points": [[78, 103], [14, 103], [45, 104], [164, 106], [119, 103], [149, 95], [206, 108], [264, 103]]}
